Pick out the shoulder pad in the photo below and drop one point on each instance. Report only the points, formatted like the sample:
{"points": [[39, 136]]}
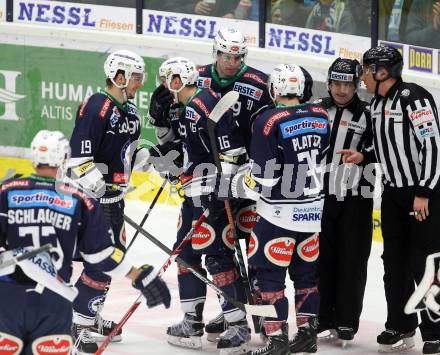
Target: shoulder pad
{"points": [[96, 105], [89, 202], [256, 77]]}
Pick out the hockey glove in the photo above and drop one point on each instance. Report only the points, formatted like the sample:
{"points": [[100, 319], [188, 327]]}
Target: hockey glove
{"points": [[152, 287], [160, 103]]}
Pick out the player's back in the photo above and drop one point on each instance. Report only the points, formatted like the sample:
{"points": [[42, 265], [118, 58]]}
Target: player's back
{"points": [[288, 145], [38, 211]]}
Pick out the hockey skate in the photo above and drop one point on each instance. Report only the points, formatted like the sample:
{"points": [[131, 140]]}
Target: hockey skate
{"points": [[305, 341], [83, 342], [215, 327], [327, 335], [431, 347], [188, 333], [102, 328], [276, 344], [345, 335], [234, 339], [391, 341]]}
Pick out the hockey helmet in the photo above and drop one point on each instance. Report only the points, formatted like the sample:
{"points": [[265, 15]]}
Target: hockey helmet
{"points": [[230, 41], [344, 69], [286, 79], [126, 61], [50, 148], [182, 67], [386, 57]]}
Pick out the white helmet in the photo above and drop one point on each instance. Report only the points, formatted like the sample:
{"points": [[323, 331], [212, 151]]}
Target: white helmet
{"points": [[231, 41], [182, 67], [126, 61], [49, 148], [286, 79], [164, 65]]}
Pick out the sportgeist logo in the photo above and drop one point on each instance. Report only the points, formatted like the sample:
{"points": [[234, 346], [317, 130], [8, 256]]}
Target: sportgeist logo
{"points": [[8, 96]]}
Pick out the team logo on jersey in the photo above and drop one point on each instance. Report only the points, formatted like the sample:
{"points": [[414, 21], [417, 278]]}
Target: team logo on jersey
{"points": [[246, 218], [273, 120], [303, 125], [203, 237], [104, 108], [280, 250], [52, 344], [202, 106], [10, 345], [254, 77], [308, 249], [248, 90], [192, 114], [320, 110], [204, 82], [15, 183], [120, 178], [227, 237], [253, 245], [42, 198], [114, 118]]}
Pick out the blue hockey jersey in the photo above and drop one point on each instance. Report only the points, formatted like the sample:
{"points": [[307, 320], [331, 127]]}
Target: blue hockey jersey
{"points": [[249, 82], [104, 133], [192, 126], [287, 147], [38, 210]]}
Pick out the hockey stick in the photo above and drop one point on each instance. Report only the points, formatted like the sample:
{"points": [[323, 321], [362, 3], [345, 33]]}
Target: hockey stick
{"points": [[28, 255], [153, 203], [217, 113], [261, 310], [164, 268]]}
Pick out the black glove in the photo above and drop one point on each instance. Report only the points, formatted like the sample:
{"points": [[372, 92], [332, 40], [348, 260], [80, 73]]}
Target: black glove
{"points": [[160, 103], [152, 287]]}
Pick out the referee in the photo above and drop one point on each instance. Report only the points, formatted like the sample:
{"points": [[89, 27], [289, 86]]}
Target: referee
{"points": [[406, 142], [346, 226]]}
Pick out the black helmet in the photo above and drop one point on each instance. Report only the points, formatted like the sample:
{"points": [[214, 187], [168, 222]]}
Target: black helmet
{"points": [[384, 56], [343, 69], [308, 86]]}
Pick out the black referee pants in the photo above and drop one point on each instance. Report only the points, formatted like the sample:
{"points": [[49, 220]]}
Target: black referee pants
{"points": [[407, 243], [345, 245]]}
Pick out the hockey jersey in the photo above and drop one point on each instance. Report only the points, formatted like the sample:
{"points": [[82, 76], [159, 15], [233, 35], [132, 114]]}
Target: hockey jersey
{"points": [[105, 132], [38, 210], [287, 148], [250, 83], [192, 127]]}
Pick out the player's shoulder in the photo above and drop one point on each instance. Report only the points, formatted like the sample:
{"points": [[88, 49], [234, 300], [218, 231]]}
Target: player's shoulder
{"points": [[97, 105], [266, 123], [78, 194], [15, 182], [255, 77], [204, 70], [204, 102]]}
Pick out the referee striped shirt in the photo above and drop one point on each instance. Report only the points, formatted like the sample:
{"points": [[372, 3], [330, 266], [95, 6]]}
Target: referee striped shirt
{"points": [[350, 129], [406, 137]]}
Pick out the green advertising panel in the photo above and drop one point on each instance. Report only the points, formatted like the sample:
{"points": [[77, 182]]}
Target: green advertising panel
{"points": [[41, 88]]}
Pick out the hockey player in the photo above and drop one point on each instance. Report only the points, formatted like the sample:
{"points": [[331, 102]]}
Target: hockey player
{"points": [[36, 298], [211, 239], [345, 239], [287, 146], [106, 128], [230, 72], [406, 142]]}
